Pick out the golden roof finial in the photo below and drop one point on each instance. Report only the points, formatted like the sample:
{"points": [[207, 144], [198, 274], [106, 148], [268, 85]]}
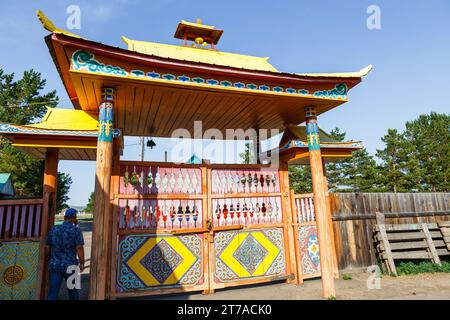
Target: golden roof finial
{"points": [[198, 21], [50, 26]]}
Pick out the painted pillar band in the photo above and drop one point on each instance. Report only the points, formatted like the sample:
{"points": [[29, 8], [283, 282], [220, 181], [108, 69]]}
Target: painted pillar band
{"points": [[105, 117], [312, 129], [323, 220]]}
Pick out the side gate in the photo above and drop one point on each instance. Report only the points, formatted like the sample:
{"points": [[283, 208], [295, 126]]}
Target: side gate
{"points": [[305, 230], [21, 252]]}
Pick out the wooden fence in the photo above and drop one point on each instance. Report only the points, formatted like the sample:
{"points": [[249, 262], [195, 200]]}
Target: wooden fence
{"points": [[354, 219], [20, 219]]}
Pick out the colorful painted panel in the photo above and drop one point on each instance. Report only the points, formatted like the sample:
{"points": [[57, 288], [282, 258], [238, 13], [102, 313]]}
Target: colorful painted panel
{"points": [[244, 181], [309, 249], [246, 211], [159, 180], [248, 254], [160, 214], [18, 270], [150, 261]]}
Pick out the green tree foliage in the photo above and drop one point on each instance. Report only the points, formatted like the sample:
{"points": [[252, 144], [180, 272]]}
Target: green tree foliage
{"points": [[64, 183], [90, 204], [334, 170], [300, 179], [430, 137], [361, 173], [21, 102], [400, 170], [247, 156], [416, 159]]}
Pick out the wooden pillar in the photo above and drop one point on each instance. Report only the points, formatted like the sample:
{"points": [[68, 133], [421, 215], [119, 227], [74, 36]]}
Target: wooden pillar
{"points": [[330, 219], [102, 206], [48, 213], [113, 222], [320, 204]]}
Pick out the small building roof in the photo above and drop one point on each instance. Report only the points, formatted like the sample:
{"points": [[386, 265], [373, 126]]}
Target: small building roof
{"points": [[73, 132], [194, 54], [6, 185], [294, 146], [68, 119], [194, 159], [191, 30]]}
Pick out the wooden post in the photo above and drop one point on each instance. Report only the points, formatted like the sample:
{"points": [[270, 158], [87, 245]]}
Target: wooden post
{"points": [[48, 214], [102, 206], [320, 203], [330, 219], [288, 212], [115, 180]]}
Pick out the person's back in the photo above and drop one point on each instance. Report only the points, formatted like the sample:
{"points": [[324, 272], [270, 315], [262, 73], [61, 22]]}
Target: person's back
{"points": [[65, 242]]}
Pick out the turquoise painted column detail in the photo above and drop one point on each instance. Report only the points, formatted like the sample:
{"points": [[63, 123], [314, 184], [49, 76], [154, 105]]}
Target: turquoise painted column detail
{"points": [[312, 129], [105, 117]]}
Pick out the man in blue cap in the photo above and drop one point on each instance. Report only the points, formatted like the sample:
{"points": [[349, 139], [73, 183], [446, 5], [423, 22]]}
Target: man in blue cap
{"points": [[65, 242]]}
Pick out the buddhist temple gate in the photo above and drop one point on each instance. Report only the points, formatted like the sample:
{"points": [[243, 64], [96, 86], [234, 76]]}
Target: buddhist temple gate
{"points": [[162, 227]]}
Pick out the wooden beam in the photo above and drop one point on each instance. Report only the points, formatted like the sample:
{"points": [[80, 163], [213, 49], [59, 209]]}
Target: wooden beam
{"points": [[324, 232], [102, 207], [48, 215]]}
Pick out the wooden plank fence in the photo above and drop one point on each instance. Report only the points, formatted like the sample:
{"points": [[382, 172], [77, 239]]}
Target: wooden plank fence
{"points": [[20, 219], [354, 220]]}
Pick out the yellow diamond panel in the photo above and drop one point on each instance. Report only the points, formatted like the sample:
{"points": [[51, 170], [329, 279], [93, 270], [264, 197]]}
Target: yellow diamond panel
{"points": [[247, 254], [149, 261]]}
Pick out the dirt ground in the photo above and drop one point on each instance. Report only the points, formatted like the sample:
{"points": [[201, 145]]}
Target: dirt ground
{"points": [[423, 286]]}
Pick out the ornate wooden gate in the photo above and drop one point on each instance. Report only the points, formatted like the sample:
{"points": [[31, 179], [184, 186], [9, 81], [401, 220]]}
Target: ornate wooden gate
{"points": [[21, 251], [186, 227], [305, 229]]}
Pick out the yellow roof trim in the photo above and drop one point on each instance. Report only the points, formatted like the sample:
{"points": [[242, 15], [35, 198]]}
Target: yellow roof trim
{"points": [[50, 26], [197, 25], [359, 74], [209, 56], [67, 119]]}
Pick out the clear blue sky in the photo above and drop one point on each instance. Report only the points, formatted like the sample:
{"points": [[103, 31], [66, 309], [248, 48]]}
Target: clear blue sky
{"points": [[410, 54]]}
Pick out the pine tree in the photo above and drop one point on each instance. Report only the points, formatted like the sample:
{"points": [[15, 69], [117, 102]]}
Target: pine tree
{"points": [[430, 136], [300, 179], [335, 170], [400, 171], [361, 173], [90, 204], [21, 102]]}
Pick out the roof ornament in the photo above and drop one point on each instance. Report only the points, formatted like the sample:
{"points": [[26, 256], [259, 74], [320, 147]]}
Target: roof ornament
{"points": [[200, 34], [50, 26]]}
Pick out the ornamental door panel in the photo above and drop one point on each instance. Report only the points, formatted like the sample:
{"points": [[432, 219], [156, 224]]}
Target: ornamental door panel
{"points": [[160, 229], [19, 270], [248, 226], [308, 245]]}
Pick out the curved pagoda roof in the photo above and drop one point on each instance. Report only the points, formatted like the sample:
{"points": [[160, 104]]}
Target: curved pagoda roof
{"points": [[293, 146], [161, 87], [73, 132]]}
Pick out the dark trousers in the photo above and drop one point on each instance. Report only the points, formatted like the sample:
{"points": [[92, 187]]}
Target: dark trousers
{"points": [[56, 278]]}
